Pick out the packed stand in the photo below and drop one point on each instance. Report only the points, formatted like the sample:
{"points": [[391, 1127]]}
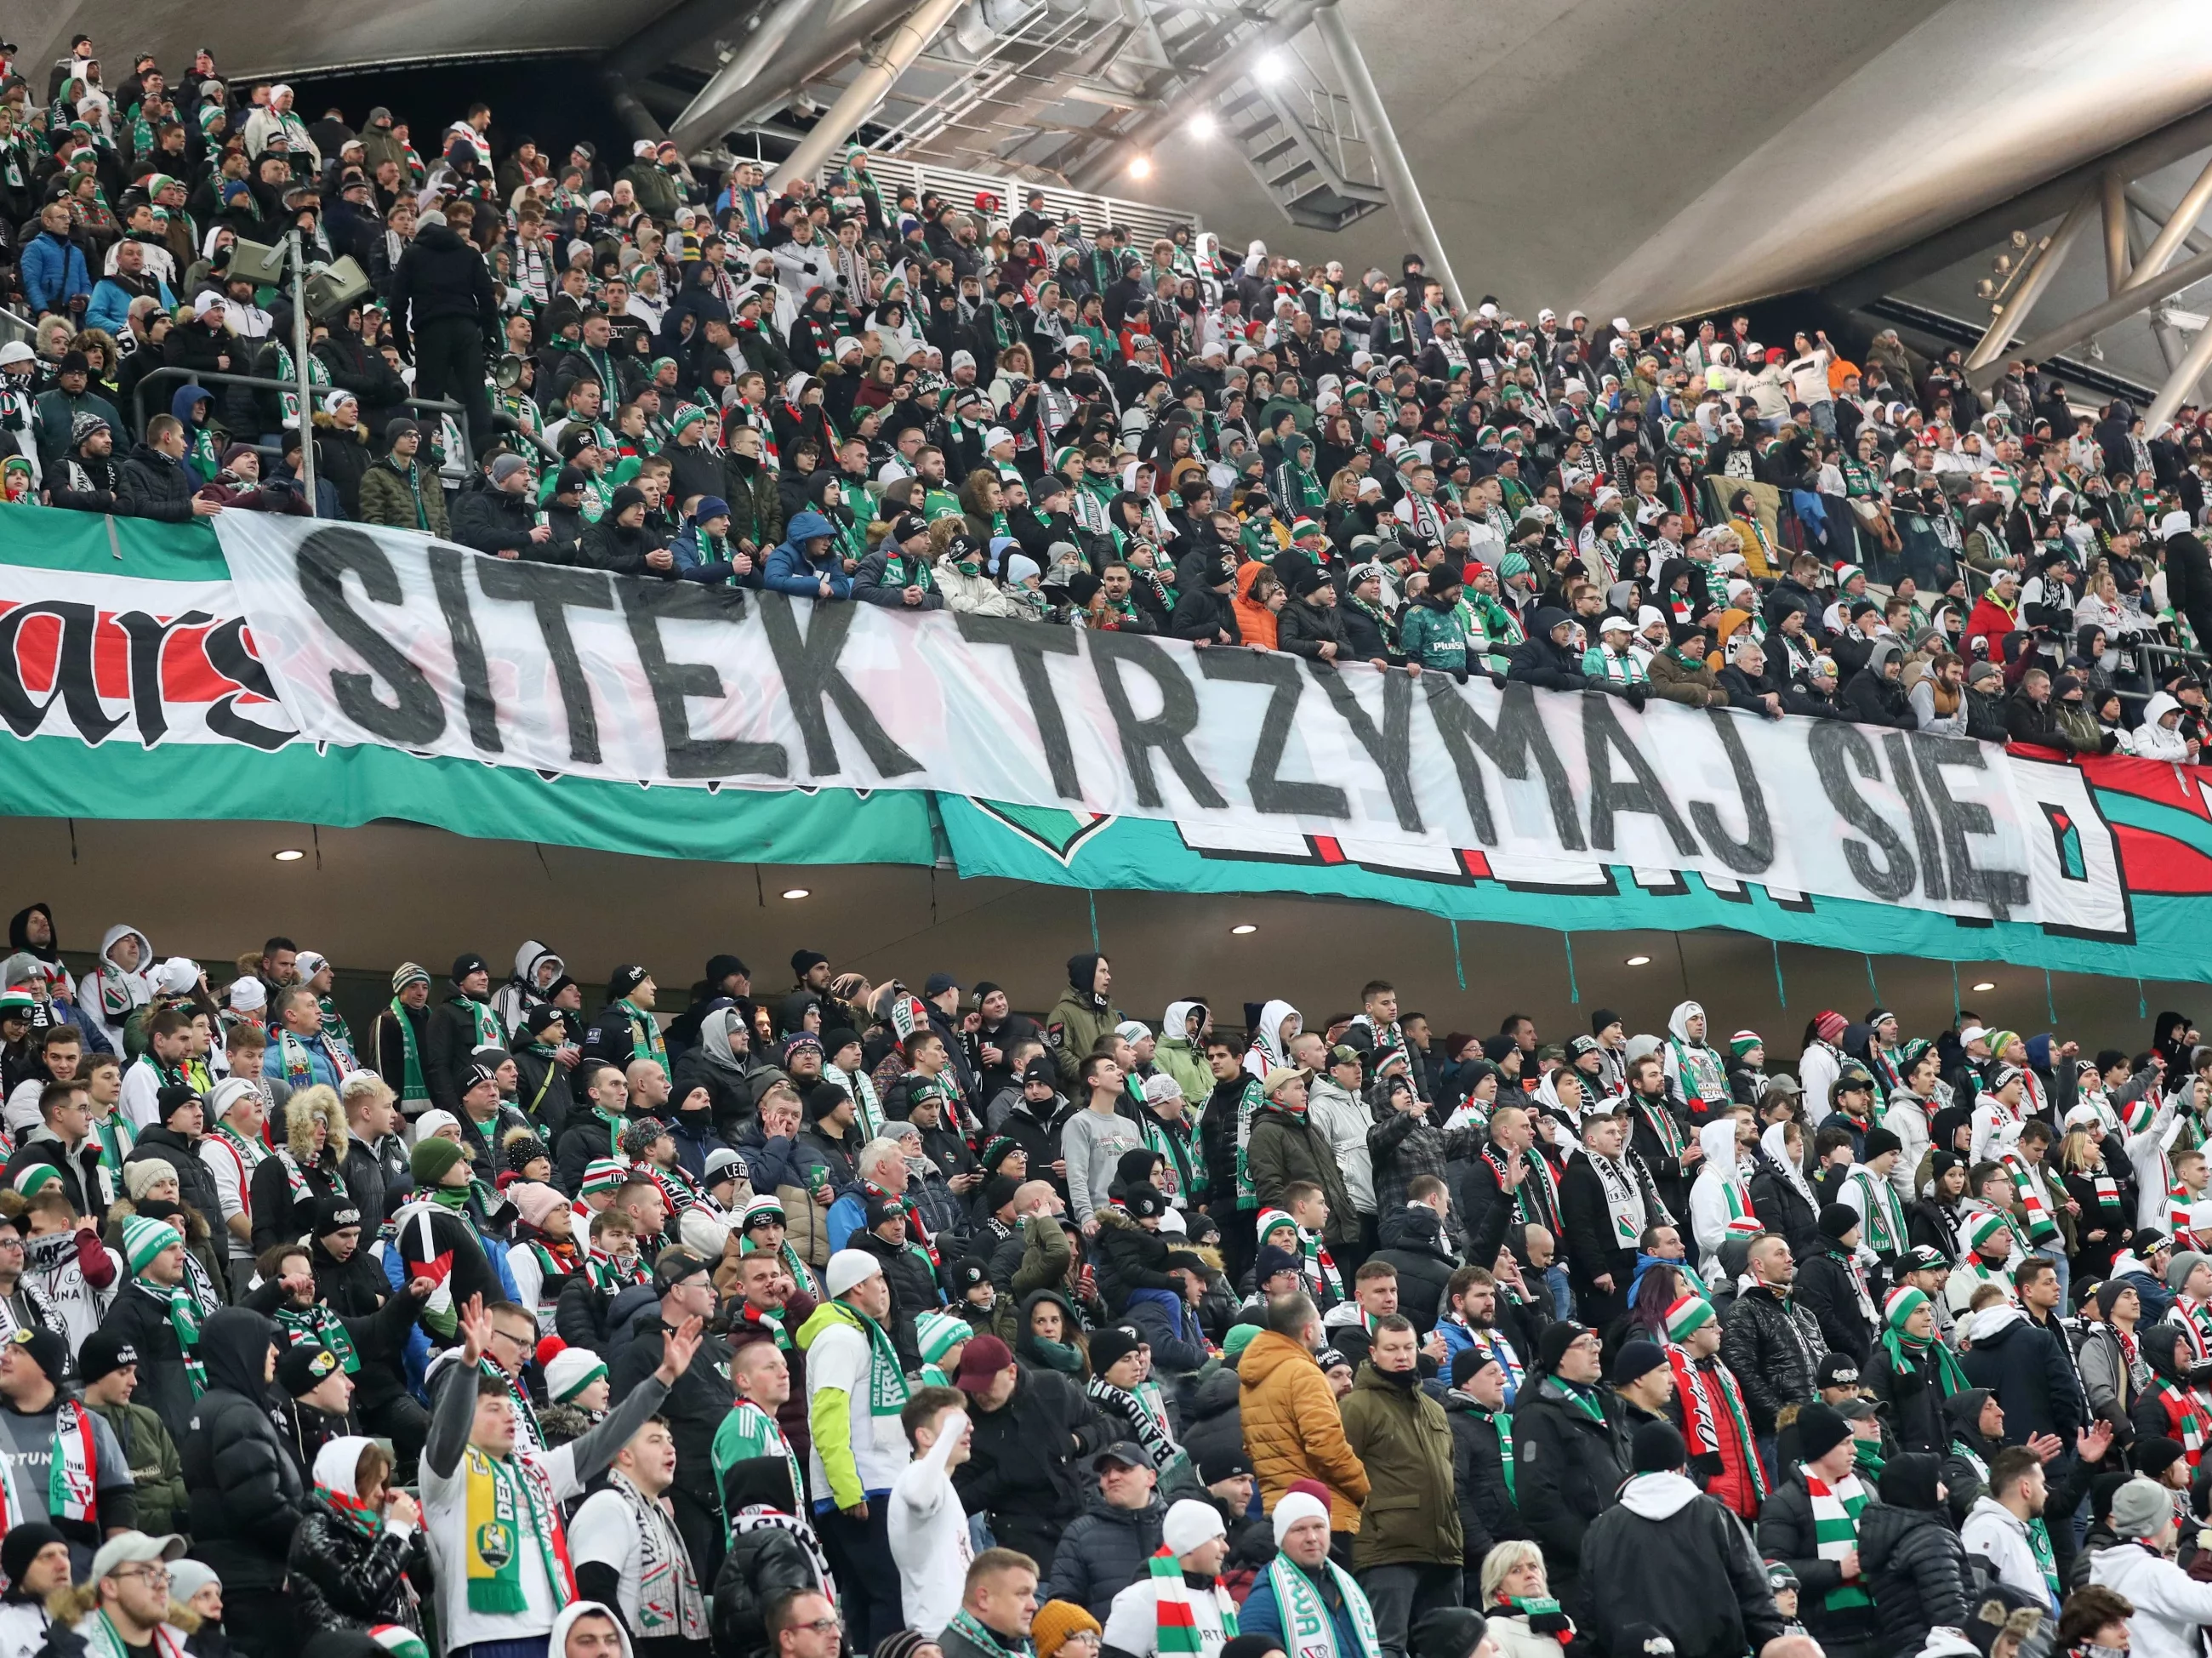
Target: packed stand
{"points": [[857, 392], [837, 1316]]}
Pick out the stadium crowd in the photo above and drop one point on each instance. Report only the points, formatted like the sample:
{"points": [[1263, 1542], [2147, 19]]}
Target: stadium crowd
{"points": [[761, 1320], [852, 391]]}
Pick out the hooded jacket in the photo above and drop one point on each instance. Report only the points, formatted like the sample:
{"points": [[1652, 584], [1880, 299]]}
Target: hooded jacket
{"points": [[112, 993], [1668, 1556], [514, 1000], [1401, 1437], [245, 1495], [2023, 1366], [1914, 1566], [791, 570], [1873, 698], [1078, 1019], [340, 1577], [1538, 661]]}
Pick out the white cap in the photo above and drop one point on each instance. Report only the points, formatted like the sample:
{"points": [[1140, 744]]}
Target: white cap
{"points": [[846, 342], [848, 1267], [643, 147], [225, 1095], [248, 994], [1190, 1523], [1615, 625], [309, 961], [17, 351], [1294, 1507], [431, 1122], [135, 1548], [1620, 325], [994, 437], [1972, 1033], [1486, 309]]}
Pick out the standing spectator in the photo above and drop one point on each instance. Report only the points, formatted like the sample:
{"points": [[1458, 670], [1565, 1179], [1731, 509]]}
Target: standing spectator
{"points": [[245, 1496], [1570, 1450], [1668, 1557], [1773, 1344], [445, 317], [1812, 1524], [1303, 1585], [1291, 1428], [1105, 1548], [1411, 1551]]}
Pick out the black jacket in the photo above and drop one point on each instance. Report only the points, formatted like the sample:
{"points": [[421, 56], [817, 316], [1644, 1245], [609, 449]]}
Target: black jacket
{"points": [[440, 275], [1909, 1396], [695, 1406], [1488, 1514], [2032, 1378], [1785, 1532], [247, 1496], [1826, 1289], [491, 520], [1872, 699], [1782, 1208], [140, 1317], [1413, 1242], [1567, 1469], [1775, 1349], [1104, 1552], [195, 1184], [1028, 1462], [762, 1568], [1670, 1557], [1914, 1563], [154, 486], [339, 1579]]}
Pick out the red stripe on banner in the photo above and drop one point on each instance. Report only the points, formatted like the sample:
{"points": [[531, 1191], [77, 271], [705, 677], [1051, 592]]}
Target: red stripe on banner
{"points": [[1327, 848], [1476, 863], [2159, 781], [2153, 864], [187, 675]]}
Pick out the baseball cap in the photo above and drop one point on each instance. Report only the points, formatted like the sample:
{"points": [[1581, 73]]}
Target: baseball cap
{"points": [[135, 1548]]}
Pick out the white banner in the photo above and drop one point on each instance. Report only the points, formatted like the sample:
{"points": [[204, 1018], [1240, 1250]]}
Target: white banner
{"points": [[375, 636]]}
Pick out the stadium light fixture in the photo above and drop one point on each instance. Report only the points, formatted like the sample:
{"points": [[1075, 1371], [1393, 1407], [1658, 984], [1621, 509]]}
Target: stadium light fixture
{"points": [[1639, 960], [1202, 126], [1141, 166], [1985, 985], [1242, 928], [795, 892], [288, 855]]}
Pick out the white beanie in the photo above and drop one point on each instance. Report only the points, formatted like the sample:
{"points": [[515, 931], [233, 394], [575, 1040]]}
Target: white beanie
{"points": [[177, 975], [848, 1267], [570, 1371], [248, 995], [431, 1122], [1190, 1522], [1294, 1507]]}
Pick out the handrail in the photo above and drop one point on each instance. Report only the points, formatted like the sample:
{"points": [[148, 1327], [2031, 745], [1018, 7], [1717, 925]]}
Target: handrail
{"points": [[212, 377]]}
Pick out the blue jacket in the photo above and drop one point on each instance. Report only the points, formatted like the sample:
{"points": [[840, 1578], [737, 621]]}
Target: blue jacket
{"points": [[111, 304], [54, 272], [1262, 1615], [790, 570]]}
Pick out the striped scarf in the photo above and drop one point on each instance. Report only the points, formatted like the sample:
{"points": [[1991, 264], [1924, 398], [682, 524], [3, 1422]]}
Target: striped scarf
{"points": [[668, 1599], [1499, 1346], [2186, 1417], [504, 1499], [72, 1475], [1536, 1199], [2042, 1228], [1836, 1530], [917, 1234], [1174, 1618], [1501, 1422], [2197, 1325], [1708, 1394], [1120, 1404]]}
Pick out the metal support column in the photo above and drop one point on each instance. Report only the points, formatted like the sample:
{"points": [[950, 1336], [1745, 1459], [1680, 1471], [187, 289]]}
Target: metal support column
{"points": [[753, 55], [2169, 348], [2179, 224], [2112, 191], [300, 332], [817, 46], [1397, 172], [880, 70], [635, 116], [2063, 336], [2031, 286], [2179, 383]]}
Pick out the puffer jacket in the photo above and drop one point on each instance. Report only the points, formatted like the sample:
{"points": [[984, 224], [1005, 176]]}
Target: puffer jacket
{"points": [[1104, 1552], [1487, 1515], [1401, 1437], [1213, 1425], [1292, 1430], [391, 491], [1696, 685], [1127, 1257], [1413, 1242], [244, 1493], [762, 1568], [1915, 1565], [1775, 1348], [1786, 1533], [340, 1579]]}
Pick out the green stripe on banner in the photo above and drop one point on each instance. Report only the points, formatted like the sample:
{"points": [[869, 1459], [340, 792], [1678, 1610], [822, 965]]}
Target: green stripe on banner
{"points": [[55, 777], [50, 539]]}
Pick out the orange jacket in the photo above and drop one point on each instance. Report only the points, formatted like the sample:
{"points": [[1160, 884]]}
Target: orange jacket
{"points": [[1255, 622], [1292, 1431]]}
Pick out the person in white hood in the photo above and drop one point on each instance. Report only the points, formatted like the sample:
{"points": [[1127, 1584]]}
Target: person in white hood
{"points": [[2169, 1603], [588, 1629], [536, 969], [2159, 737], [1677, 1562], [1721, 1193], [121, 984]]}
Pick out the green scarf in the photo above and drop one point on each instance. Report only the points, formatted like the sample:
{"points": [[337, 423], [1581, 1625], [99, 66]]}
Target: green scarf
{"points": [[488, 1034], [319, 1326], [412, 1086], [985, 1641], [1307, 1624], [1904, 1350], [645, 1042], [502, 1501], [184, 1320], [2046, 1561], [1503, 1422]]}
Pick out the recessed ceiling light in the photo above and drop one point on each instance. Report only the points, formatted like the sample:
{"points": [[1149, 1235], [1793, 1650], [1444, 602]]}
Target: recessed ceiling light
{"points": [[1639, 960], [290, 855], [1986, 984], [794, 892], [1244, 927]]}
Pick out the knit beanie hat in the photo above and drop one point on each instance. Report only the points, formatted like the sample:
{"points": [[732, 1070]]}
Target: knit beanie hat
{"points": [[1056, 1620], [139, 1178], [1820, 1429], [31, 1177], [144, 1239], [1658, 1449], [1294, 1507], [1685, 1316], [534, 1200], [2140, 1508], [406, 973], [1984, 1227], [1837, 1220], [1744, 1041], [936, 1333], [1190, 1523], [1829, 1026], [602, 1175], [432, 1159], [570, 1371]]}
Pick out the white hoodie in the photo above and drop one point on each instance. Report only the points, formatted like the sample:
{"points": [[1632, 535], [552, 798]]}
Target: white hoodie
{"points": [[1709, 1209], [1658, 1496], [2000, 1537], [2154, 741], [112, 993], [2169, 1603]]}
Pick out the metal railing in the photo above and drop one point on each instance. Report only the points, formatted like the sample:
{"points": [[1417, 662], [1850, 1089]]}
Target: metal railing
{"points": [[1143, 220]]}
